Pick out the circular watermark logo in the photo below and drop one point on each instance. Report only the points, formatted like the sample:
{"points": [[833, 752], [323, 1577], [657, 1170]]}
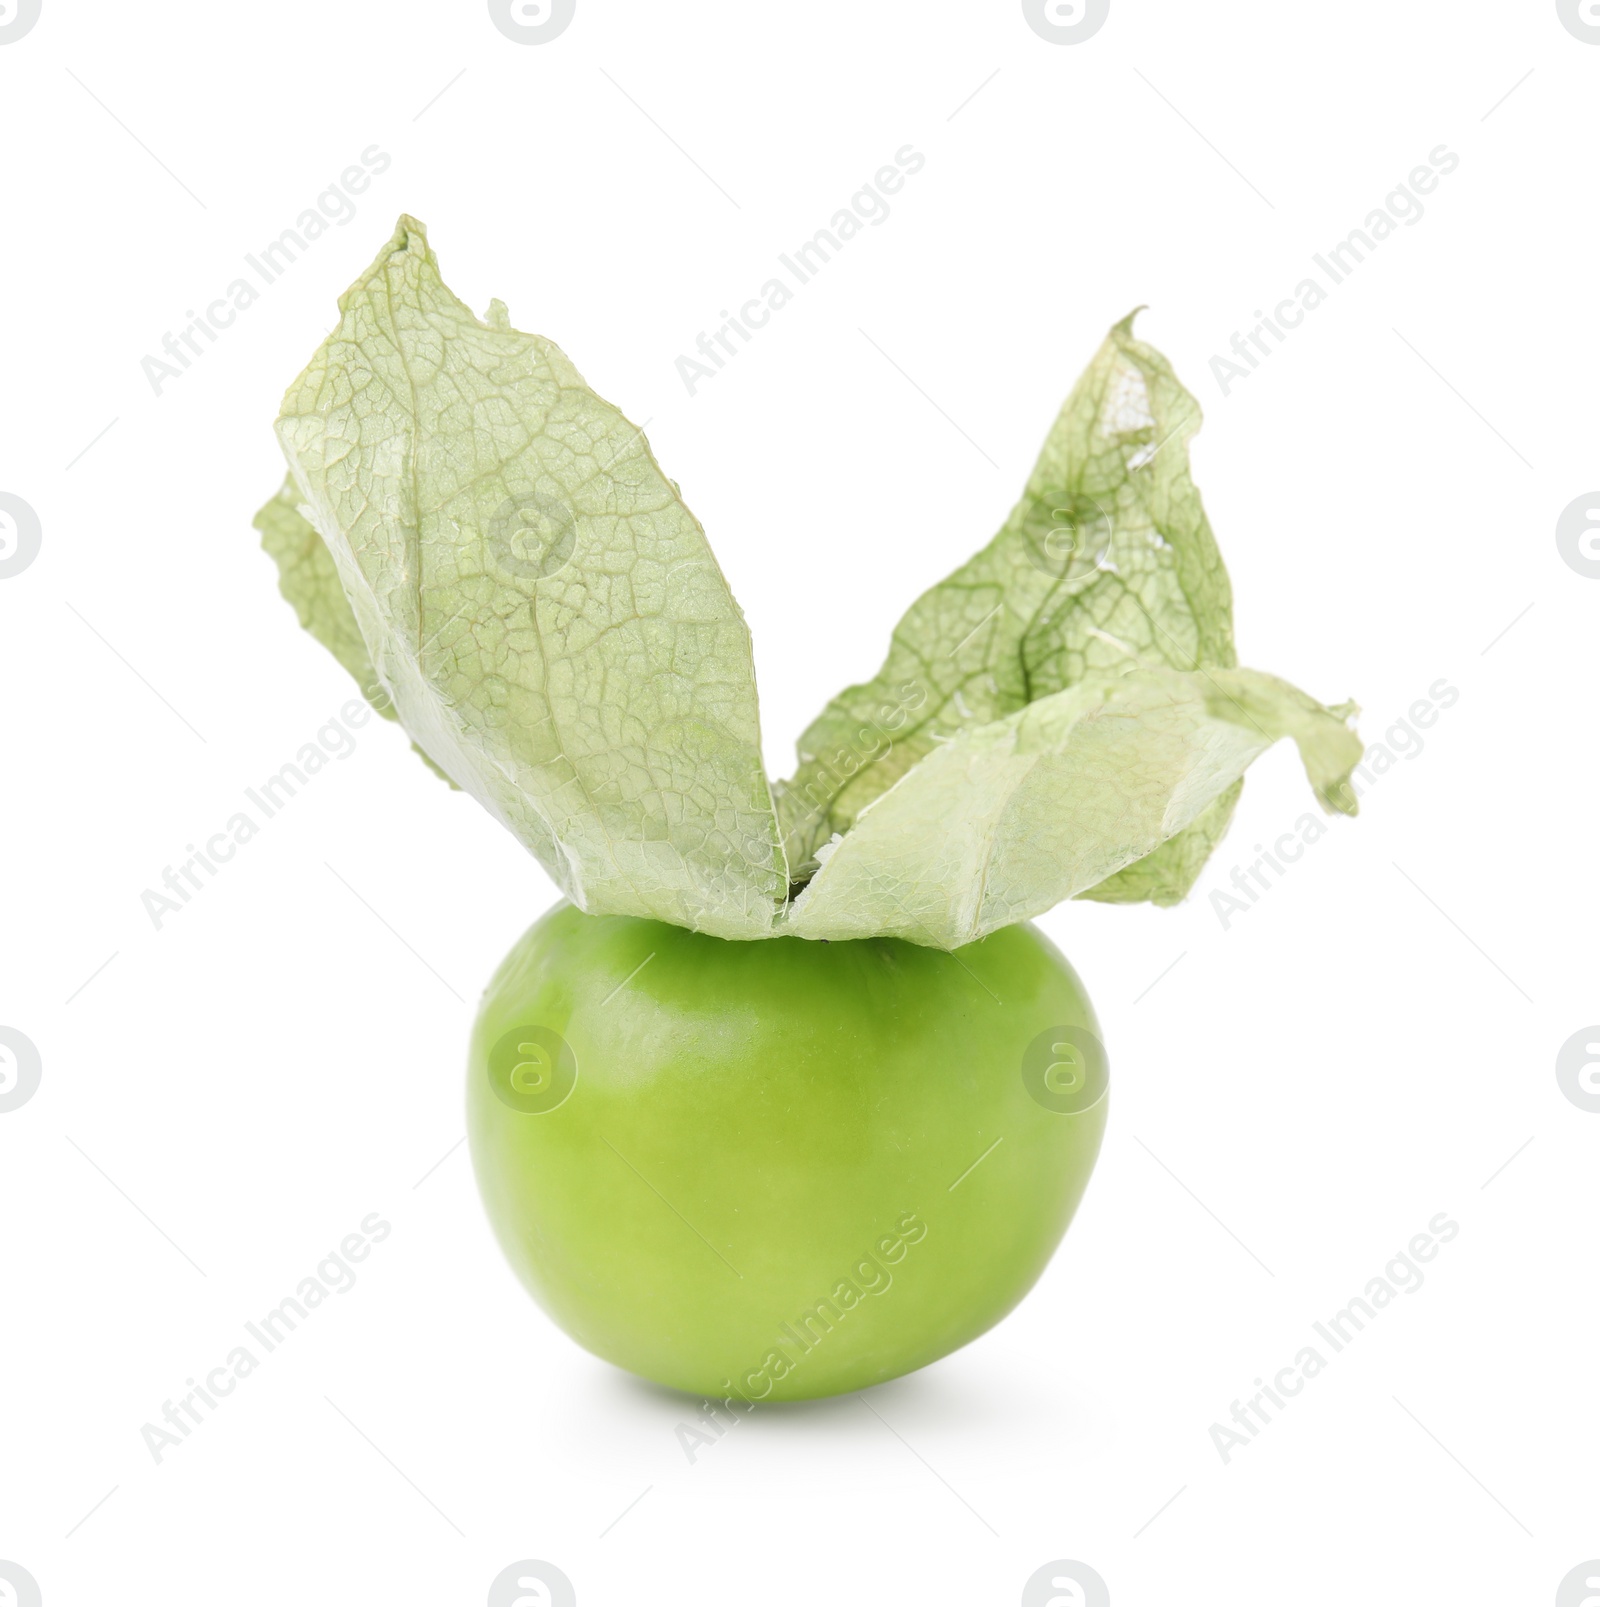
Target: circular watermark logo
{"points": [[1578, 530], [20, 1069], [1578, 1071], [1581, 19], [1066, 22], [532, 1584], [1068, 542], [1066, 1584], [24, 1588], [1581, 1587], [19, 524], [17, 17], [532, 22], [532, 1069], [532, 537], [1065, 1070]]}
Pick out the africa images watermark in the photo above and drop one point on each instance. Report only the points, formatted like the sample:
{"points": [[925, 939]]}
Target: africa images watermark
{"points": [[532, 22], [334, 740], [22, 1588], [334, 1275], [1403, 740], [1402, 205], [1066, 22], [532, 1582], [335, 205], [1577, 1068], [869, 205], [1065, 1583], [20, 535], [867, 1276], [21, 1069], [1577, 535], [1401, 1276], [17, 18], [870, 742]]}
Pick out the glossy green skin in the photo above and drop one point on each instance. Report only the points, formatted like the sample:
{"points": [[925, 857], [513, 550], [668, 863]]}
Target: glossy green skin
{"points": [[759, 1129]]}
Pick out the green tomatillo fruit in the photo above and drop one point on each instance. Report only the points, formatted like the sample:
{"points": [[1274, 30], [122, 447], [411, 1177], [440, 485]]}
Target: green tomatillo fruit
{"points": [[768, 1171], [788, 1098]]}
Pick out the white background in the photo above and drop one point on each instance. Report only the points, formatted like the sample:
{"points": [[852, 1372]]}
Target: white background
{"points": [[1370, 1044]]}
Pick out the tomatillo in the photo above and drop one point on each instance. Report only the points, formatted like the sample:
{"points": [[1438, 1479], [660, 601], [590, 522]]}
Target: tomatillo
{"points": [[780, 1169]]}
